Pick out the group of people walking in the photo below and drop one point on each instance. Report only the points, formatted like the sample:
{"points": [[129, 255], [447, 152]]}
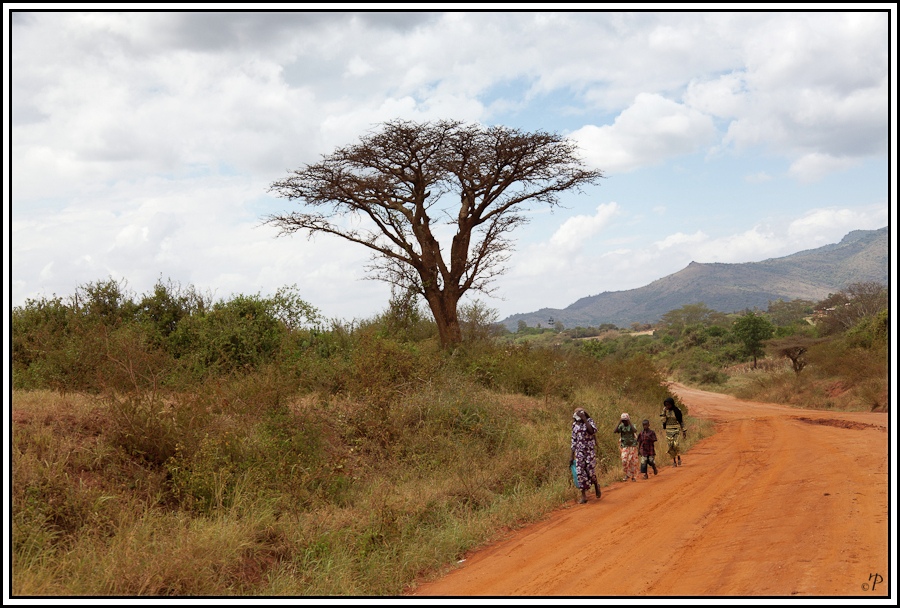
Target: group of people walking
{"points": [[634, 446]]}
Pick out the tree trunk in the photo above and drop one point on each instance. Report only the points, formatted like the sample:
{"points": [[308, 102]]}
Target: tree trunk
{"points": [[443, 307]]}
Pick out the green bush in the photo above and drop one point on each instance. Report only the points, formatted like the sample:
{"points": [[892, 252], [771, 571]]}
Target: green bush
{"points": [[160, 313], [870, 332], [53, 346]]}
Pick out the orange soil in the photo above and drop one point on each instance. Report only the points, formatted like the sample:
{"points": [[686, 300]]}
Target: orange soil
{"points": [[779, 502]]}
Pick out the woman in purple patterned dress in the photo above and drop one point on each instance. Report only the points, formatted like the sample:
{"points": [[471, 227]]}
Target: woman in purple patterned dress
{"points": [[584, 452]]}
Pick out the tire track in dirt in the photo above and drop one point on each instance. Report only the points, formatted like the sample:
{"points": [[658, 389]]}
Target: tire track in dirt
{"points": [[779, 502]]}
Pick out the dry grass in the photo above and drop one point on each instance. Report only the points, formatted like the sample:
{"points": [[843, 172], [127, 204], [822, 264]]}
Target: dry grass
{"points": [[774, 381], [94, 520]]}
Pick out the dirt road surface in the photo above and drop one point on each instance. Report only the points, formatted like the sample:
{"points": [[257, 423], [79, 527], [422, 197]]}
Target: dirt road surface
{"points": [[779, 502]]}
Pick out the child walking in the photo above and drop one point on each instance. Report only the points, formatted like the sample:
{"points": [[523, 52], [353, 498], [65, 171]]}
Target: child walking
{"points": [[627, 446], [646, 438]]}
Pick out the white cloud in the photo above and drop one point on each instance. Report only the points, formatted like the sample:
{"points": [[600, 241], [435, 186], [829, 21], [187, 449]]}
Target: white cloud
{"points": [[724, 96], [811, 167], [680, 239], [359, 67], [553, 268], [650, 131], [753, 245], [121, 88], [823, 226], [576, 230], [814, 85]]}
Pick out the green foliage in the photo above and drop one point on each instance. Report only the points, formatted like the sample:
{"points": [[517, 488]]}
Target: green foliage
{"points": [[700, 348], [844, 369], [101, 339], [702, 369], [205, 480], [793, 347], [676, 321], [236, 334], [477, 321], [107, 301], [162, 311], [797, 329], [870, 332], [405, 319], [621, 346], [40, 351], [601, 348], [784, 313], [519, 368], [293, 311], [753, 330], [146, 427], [132, 362], [845, 359]]}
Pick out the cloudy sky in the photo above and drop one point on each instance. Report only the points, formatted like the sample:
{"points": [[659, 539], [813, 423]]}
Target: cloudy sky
{"points": [[143, 143]]}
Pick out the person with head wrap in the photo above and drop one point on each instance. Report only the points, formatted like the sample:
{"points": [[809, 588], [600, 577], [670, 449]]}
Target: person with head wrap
{"points": [[675, 430], [628, 446], [584, 452]]}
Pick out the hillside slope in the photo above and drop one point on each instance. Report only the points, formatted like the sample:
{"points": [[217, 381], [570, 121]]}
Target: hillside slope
{"points": [[862, 255]]}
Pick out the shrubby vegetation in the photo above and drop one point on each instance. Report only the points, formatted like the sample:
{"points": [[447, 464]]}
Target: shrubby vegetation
{"points": [[827, 354], [170, 444]]}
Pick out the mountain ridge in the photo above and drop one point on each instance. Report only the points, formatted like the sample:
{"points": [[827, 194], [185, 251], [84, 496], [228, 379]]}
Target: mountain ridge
{"points": [[811, 274]]}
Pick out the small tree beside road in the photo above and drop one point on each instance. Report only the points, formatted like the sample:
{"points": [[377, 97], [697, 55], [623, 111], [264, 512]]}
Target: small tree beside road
{"points": [[794, 348], [753, 330]]}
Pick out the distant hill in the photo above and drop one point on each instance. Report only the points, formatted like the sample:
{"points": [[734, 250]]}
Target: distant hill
{"points": [[861, 256]]}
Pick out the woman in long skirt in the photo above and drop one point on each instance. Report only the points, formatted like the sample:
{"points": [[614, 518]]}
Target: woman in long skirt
{"points": [[584, 452]]}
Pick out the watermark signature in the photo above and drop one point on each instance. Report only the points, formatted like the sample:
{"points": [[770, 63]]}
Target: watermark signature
{"points": [[874, 580]]}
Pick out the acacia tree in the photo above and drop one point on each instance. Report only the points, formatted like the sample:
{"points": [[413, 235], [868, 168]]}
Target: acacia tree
{"points": [[794, 348], [408, 179]]}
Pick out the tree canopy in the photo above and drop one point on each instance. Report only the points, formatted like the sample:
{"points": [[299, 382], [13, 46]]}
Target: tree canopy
{"points": [[691, 314], [793, 347], [842, 310], [753, 330], [393, 191]]}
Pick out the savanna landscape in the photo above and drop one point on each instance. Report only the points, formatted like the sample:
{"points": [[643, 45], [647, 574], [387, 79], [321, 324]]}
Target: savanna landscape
{"points": [[230, 440], [169, 444]]}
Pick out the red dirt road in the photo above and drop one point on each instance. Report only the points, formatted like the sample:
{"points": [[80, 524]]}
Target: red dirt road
{"points": [[779, 502]]}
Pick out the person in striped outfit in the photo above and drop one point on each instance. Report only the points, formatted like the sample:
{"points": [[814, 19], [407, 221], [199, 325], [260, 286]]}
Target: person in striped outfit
{"points": [[675, 430]]}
